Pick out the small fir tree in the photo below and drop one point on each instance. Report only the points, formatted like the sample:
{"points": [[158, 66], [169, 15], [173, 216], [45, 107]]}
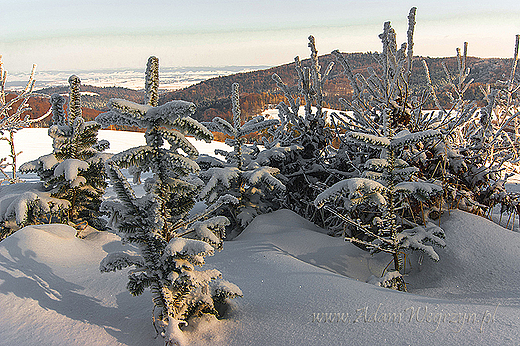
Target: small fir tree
{"points": [[75, 170], [159, 223], [387, 207], [246, 175]]}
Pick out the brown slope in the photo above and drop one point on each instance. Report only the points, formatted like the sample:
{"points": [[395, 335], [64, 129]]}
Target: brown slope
{"points": [[258, 89]]}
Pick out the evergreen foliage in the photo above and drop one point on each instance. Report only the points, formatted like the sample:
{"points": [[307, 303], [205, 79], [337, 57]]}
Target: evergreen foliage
{"points": [[246, 174], [75, 170], [170, 241], [73, 178]]}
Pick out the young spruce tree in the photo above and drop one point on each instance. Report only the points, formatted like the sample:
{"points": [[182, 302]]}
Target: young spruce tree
{"points": [[387, 207], [159, 223], [74, 171], [246, 174]]}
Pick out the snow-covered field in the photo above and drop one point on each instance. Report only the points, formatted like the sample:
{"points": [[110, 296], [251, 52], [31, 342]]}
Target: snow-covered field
{"points": [[301, 287], [35, 142], [172, 78]]}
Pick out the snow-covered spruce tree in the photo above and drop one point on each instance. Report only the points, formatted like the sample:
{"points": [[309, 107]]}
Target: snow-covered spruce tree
{"points": [[246, 175], [312, 158], [387, 207], [12, 119], [74, 171], [159, 223]]}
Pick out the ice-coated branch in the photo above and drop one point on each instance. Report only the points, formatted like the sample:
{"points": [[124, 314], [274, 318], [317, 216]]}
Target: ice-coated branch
{"points": [[59, 116], [513, 65], [295, 106], [235, 101], [348, 72], [430, 85], [317, 84], [409, 53]]}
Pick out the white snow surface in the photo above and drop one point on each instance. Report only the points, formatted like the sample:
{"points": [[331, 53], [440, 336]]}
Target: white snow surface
{"points": [[300, 286]]}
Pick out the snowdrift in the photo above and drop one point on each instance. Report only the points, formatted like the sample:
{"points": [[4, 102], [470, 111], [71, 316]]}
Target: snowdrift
{"points": [[295, 285]]}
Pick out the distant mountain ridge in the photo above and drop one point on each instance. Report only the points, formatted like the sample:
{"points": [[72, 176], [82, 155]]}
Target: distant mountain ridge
{"points": [[258, 90]]}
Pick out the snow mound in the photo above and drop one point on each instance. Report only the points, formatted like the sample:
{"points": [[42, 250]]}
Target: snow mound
{"points": [[299, 288], [52, 293], [479, 263]]}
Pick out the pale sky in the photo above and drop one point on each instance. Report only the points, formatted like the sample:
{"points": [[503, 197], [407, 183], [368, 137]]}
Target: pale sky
{"points": [[97, 34]]}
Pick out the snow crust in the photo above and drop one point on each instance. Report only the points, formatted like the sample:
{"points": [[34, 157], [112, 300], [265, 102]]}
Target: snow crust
{"points": [[300, 287]]}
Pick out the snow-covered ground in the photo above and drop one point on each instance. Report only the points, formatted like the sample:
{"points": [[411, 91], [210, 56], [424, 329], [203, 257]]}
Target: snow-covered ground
{"points": [[301, 287]]}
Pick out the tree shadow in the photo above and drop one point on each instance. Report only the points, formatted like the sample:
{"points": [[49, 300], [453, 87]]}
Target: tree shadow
{"points": [[25, 277]]}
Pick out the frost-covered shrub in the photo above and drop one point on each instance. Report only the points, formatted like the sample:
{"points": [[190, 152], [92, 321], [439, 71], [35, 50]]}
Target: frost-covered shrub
{"points": [[170, 241], [311, 159], [387, 206], [74, 171], [246, 174], [480, 143], [12, 119]]}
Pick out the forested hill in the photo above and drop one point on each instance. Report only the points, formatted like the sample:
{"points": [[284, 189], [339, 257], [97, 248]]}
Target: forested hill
{"points": [[258, 90]]}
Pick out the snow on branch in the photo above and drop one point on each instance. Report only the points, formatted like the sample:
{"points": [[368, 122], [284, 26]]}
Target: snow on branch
{"points": [[129, 109], [222, 289], [151, 85], [370, 140], [218, 176], [211, 230], [17, 200], [70, 168], [119, 260], [257, 126], [112, 117], [406, 138], [264, 174], [134, 156], [178, 141], [190, 126], [192, 248], [421, 190], [220, 125], [417, 238], [353, 189]]}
